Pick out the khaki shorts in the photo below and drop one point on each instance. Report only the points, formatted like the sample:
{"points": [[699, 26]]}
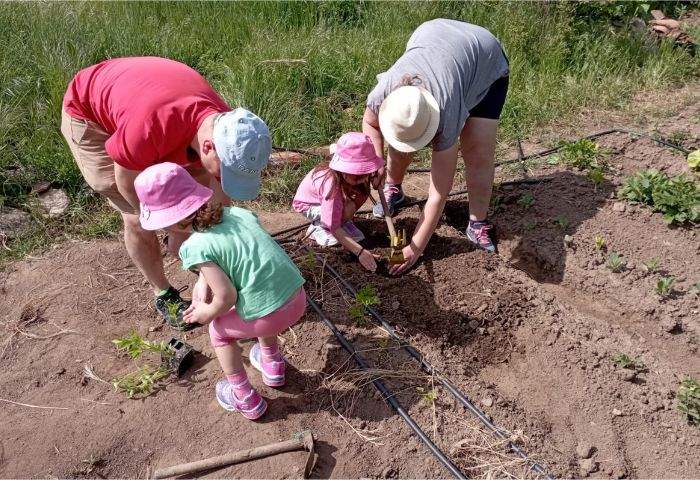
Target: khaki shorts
{"points": [[86, 141]]}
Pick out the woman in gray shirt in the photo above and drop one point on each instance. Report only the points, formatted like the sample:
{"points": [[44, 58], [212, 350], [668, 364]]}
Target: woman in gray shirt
{"points": [[450, 84]]}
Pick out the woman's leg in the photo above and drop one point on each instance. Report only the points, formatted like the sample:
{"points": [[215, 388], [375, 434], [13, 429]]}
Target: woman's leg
{"points": [[478, 143]]}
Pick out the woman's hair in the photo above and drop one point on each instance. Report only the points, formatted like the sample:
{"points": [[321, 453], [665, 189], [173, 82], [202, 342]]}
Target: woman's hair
{"points": [[409, 80], [207, 216], [328, 174]]}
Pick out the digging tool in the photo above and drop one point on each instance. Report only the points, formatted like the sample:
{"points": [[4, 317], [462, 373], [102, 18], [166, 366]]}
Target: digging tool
{"points": [[396, 242], [301, 441]]}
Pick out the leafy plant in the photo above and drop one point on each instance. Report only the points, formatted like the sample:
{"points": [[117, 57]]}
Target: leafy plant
{"points": [[689, 400], [652, 265], [307, 262], [597, 177], [563, 222], [678, 198], [583, 154], [615, 262], [173, 310], [134, 345], [527, 200], [383, 343], [598, 242], [622, 360], [663, 286], [365, 297], [428, 395], [141, 381]]}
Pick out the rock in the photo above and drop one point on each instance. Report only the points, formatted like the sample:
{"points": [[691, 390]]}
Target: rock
{"points": [[487, 401], [474, 324], [585, 450], [616, 412], [669, 324], [389, 472], [13, 221], [482, 307], [619, 207], [54, 202], [395, 305], [587, 466], [626, 374]]}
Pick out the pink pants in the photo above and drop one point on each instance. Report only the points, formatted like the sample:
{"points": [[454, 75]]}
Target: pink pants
{"points": [[228, 328]]}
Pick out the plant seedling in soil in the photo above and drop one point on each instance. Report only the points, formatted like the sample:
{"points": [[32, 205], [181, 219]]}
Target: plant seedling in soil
{"points": [[582, 154], [428, 395], [677, 198], [134, 345], [615, 262], [173, 308], [652, 265], [663, 286], [307, 262], [689, 400], [383, 343], [526, 201], [596, 177], [598, 242], [622, 360], [365, 297], [563, 222]]}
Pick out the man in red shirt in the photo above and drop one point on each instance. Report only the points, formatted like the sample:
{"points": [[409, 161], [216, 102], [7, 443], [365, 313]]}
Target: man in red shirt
{"points": [[125, 114]]}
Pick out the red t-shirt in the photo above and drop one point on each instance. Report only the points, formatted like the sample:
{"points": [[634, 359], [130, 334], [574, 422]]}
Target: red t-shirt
{"points": [[151, 106]]}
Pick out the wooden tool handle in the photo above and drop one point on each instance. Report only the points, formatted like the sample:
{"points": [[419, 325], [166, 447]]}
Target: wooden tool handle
{"points": [[389, 221]]}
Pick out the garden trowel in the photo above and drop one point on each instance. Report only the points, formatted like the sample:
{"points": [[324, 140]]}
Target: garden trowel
{"points": [[397, 242]]}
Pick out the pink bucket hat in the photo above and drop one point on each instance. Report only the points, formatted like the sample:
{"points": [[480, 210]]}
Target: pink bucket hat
{"points": [[168, 194], [354, 153]]}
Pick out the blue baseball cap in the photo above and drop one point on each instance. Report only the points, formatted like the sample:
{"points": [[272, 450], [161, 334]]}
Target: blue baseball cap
{"points": [[243, 144]]}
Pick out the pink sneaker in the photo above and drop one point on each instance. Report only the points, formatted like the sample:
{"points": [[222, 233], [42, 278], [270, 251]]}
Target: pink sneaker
{"points": [[272, 372], [354, 232], [251, 407]]}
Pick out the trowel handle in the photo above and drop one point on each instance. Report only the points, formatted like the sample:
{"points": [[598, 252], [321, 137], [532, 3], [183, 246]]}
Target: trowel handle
{"points": [[389, 221]]}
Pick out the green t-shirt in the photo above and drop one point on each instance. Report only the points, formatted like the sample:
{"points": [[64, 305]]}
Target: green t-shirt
{"points": [[264, 276]]}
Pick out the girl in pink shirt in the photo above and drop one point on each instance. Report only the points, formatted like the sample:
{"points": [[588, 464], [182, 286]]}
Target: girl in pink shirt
{"points": [[331, 193]]}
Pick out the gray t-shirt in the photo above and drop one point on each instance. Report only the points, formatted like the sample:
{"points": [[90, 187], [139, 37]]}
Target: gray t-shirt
{"points": [[455, 61]]}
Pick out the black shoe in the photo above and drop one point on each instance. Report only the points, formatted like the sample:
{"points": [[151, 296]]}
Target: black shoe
{"points": [[172, 307]]}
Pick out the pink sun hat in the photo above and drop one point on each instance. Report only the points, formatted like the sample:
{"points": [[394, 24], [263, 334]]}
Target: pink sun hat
{"points": [[354, 153], [168, 194]]}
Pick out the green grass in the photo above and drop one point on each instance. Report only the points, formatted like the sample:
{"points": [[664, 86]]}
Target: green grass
{"points": [[563, 56]]}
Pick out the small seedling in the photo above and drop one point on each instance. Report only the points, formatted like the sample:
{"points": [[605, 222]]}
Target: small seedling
{"points": [[527, 200], [596, 177], [307, 262], [582, 154], [135, 345], [697, 288], [383, 343], [563, 222], [652, 265], [598, 242], [365, 297], [173, 311], [663, 286], [615, 262], [689, 400], [622, 360], [428, 395]]}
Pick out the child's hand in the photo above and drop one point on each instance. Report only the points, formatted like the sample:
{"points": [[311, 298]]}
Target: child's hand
{"points": [[377, 178], [368, 260], [201, 293], [200, 313]]}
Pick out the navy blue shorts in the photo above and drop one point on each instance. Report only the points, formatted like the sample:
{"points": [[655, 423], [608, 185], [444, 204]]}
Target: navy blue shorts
{"points": [[491, 105]]}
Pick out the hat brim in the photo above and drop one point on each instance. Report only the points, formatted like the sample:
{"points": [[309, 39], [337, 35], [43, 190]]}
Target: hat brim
{"points": [[166, 217], [423, 140], [240, 187], [365, 167]]}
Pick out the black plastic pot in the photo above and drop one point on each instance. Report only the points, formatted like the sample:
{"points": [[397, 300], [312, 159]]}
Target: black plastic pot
{"points": [[181, 357]]}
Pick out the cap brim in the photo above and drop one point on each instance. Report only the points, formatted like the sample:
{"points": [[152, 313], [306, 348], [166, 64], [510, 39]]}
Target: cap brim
{"points": [[159, 219], [240, 187], [423, 140], [354, 168]]}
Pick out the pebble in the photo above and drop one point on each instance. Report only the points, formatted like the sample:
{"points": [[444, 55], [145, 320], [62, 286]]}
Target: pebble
{"points": [[389, 472], [585, 450], [616, 412], [619, 207], [487, 401], [587, 466]]}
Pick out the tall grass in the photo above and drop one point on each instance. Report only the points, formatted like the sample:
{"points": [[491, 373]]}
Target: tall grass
{"points": [[560, 63]]}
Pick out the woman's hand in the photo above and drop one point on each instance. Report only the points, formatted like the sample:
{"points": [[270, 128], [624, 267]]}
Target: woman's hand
{"points": [[368, 260], [410, 257]]}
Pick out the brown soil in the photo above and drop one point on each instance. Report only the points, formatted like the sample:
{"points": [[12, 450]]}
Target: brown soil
{"points": [[527, 335]]}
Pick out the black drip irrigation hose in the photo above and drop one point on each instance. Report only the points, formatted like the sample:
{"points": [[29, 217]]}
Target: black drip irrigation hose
{"points": [[420, 201], [428, 368], [387, 395]]}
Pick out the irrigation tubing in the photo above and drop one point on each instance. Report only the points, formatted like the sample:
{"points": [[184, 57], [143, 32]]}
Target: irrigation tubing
{"points": [[296, 228], [386, 393], [425, 365]]}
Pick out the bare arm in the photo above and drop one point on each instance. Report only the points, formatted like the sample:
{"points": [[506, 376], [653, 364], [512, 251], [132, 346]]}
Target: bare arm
{"points": [[442, 173], [223, 299], [124, 179], [366, 258], [370, 127]]}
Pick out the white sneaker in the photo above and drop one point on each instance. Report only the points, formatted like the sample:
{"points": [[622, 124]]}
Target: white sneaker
{"points": [[354, 232], [322, 236]]}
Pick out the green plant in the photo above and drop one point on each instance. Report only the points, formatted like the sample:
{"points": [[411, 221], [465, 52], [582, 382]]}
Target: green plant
{"points": [[597, 177], [697, 287], [307, 262], [663, 286], [652, 265], [563, 222], [689, 400], [173, 310], [428, 395], [678, 198], [365, 297], [383, 343], [598, 242], [615, 262], [622, 360], [527, 200], [140, 381], [583, 154], [134, 345]]}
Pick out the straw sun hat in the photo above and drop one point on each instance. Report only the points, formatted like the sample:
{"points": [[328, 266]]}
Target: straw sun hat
{"points": [[408, 118]]}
